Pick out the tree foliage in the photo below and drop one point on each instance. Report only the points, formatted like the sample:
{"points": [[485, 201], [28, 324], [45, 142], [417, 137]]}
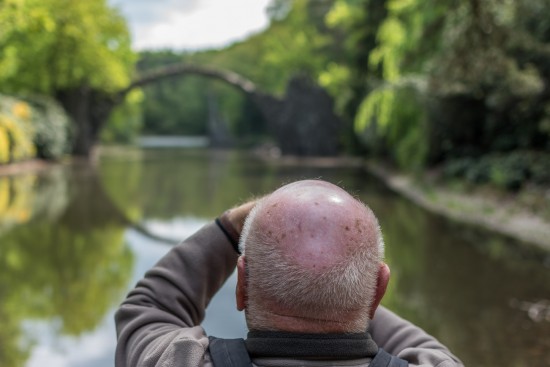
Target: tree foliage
{"points": [[16, 131], [421, 82], [34, 126], [52, 45], [77, 52], [434, 80]]}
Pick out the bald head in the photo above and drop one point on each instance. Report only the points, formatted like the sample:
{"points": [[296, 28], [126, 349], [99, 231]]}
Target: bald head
{"points": [[312, 252], [315, 224]]}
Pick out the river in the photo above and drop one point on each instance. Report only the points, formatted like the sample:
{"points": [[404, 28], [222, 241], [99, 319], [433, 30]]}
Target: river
{"points": [[68, 256]]}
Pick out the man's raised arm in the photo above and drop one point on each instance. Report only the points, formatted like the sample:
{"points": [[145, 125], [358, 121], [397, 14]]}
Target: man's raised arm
{"points": [[409, 342], [161, 315]]}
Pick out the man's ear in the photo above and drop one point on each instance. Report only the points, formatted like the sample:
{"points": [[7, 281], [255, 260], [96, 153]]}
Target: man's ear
{"points": [[241, 283], [381, 285]]}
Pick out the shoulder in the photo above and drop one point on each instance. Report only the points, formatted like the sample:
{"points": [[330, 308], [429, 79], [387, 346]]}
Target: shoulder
{"points": [[409, 342]]}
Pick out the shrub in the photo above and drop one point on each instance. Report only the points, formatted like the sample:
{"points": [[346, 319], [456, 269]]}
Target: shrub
{"points": [[4, 146], [34, 127], [51, 126], [506, 170], [16, 130]]}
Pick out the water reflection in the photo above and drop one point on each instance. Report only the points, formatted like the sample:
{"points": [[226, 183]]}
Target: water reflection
{"points": [[69, 250], [63, 259]]}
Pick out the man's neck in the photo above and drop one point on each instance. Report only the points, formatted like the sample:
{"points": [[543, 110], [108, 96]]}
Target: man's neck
{"points": [[279, 320]]}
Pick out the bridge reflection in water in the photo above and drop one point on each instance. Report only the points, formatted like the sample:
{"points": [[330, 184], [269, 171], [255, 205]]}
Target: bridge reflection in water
{"points": [[69, 251]]}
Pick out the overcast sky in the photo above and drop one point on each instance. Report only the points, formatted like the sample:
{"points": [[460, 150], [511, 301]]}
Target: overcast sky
{"points": [[191, 24]]}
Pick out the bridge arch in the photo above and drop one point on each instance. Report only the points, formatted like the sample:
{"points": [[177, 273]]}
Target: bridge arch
{"points": [[302, 123], [229, 77]]}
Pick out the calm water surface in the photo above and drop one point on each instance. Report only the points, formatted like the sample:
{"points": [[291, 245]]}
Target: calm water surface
{"points": [[69, 253]]}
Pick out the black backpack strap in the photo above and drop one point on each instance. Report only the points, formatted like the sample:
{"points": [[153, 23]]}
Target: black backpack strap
{"points": [[384, 359], [233, 353], [229, 352]]}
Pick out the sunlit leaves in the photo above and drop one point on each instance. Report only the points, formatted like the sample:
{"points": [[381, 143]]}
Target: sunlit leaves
{"points": [[399, 33], [295, 45], [391, 36], [335, 79], [397, 6], [398, 40], [375, 109], [340, 14], [16, 129], [50, 45]]}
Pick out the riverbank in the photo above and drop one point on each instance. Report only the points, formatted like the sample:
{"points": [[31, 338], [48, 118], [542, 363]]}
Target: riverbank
{"points": [[33, 165], [524, 216]]}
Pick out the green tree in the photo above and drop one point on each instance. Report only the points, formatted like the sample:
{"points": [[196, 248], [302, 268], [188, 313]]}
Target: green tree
{"points": [[429, 81], [58, 45], [76, 51]]}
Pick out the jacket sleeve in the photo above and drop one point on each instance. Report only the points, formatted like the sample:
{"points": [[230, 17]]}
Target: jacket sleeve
{"points": [[407, 341], [162, 314]]}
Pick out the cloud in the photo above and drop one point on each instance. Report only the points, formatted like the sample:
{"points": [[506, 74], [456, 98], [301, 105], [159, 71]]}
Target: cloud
{"points": [[191, 24], [146, 12]]}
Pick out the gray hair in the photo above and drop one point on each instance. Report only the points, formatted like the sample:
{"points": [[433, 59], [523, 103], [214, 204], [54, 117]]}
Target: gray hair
{"points": [[347, 285]]}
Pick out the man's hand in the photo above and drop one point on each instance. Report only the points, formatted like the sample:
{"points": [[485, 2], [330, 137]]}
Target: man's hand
{"points": [[236, 216], [232, 221]]}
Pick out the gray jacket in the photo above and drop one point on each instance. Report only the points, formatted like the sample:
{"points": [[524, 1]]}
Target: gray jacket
{"points": [[158, 325]]}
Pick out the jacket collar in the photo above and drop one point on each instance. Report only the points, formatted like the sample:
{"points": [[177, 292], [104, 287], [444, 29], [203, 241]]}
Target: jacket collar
{"points": [[295, 345]]}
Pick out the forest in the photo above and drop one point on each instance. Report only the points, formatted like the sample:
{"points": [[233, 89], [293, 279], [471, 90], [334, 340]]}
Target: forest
{"points": [[457, 86]]}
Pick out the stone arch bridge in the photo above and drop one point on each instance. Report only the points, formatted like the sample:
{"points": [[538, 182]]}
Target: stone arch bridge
{"points": [[302, 122]]}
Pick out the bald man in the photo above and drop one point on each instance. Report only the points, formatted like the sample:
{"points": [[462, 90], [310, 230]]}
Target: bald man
{"points": [[310, 279]]}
